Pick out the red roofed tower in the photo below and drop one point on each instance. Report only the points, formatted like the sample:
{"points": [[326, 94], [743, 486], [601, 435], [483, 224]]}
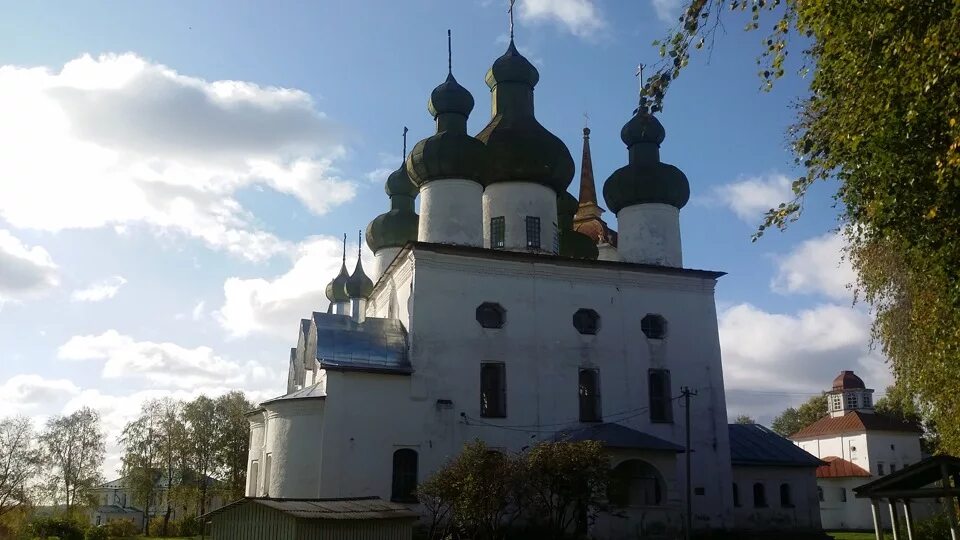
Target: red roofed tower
{"points": [[588, 220]]}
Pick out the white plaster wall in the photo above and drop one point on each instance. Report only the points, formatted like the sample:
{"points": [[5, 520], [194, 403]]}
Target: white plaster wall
{"points": [[542, 352], [899, 449], [381, 260], [451, 212], [607, 253], [515, 201], [255, 452], [650, 233], [293, 441], [852, 448], [391, 297], [805, 512], [852, 514]]}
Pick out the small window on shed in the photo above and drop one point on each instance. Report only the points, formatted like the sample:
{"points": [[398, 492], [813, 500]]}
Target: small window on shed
{"points": [[786, 501], [654, 326], [759, 495], [586, 321], [491, 315], [404, 476], [590, 396], [498, 231]]}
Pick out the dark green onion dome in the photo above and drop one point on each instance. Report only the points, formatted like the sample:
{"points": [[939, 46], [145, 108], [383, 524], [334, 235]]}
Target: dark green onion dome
{"points": [[645, 179], [521, 150], [572, 243], [337, 289], [451, 152], [399, 225], [359, 285]]}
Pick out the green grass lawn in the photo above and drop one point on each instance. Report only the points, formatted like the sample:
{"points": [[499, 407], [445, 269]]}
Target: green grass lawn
{"points": [[844, 535]]}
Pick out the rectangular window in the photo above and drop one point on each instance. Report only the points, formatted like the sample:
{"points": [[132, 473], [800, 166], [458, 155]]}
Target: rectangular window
{"points": [[866, 401], [590, 396], [533, 232], [661, 406], [736, 495], [843, 494], [493, 390], [893, 468], [836, 401], [498, 230], [254, 476], [851, 401], [880, 469]]}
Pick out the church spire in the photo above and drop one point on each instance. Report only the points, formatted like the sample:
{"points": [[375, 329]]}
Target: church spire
{"points": [[588, 207]]}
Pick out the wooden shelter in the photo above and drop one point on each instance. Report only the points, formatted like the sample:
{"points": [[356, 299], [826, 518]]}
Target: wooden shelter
{"points": [[936, 477]]}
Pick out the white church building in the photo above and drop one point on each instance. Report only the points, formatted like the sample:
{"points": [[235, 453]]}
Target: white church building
{"points": [[858, 445], [492, 316]]}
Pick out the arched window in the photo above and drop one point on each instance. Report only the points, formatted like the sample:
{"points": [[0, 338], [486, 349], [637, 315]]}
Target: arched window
{"points": [[404, 476], [635, 483], [759, 496], [786, 501]]}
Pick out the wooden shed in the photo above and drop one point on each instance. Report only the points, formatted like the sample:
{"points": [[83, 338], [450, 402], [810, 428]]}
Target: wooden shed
{"points": [[368, 518]]}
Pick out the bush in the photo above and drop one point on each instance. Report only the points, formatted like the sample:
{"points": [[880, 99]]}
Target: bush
{"points": [[156, 528], [189, 526], [121, 528], [97, 533], [56, 529]]}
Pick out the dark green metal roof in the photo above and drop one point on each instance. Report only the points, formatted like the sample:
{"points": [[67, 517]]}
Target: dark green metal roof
{"points": [[392, 229], [645, 179], [359, 285], [450, 97], [753, 444], [399, 183], [521, 149], [337, 289]]}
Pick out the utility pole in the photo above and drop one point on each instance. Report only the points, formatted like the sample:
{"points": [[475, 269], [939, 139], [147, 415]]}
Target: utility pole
{"points": [[686, 393]]}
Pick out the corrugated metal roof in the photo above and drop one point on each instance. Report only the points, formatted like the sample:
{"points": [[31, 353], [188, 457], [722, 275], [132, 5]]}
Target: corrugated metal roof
{"points": [[839, 468], [314, 391], [373, 345], [753, 444], [337, 509], [617, 436], [923, 474], [854, 422]]}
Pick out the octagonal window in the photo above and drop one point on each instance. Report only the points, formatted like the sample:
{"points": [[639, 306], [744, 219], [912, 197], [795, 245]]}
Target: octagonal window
{"points": [[491, 315], [654, 326], [586, 321]]}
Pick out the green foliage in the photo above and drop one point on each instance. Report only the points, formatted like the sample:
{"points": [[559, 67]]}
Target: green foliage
{"points": [[96, 533], [190, 526], [483, 493], [19, 461], [899, 403], [744, 419], [56, 527], [882, 120], [72, 450], [793, 420]]}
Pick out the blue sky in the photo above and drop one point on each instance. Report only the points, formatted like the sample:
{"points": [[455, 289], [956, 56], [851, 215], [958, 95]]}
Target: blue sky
{"points": [[174, 177]]}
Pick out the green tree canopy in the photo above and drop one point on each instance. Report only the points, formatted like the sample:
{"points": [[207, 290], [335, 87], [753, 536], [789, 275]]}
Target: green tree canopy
{"points": [[744, 419], [793, 419], [882, 121]]}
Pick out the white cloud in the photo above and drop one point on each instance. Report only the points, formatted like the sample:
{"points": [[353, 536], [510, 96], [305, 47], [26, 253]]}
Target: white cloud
{"points": [[790, 355], [24, 271], [581, 18], [198, 310], [667, 11], [99, 291], [23, 392], [750, 198], [134, 142], [165, 363], [274, 306], [817, 265]]}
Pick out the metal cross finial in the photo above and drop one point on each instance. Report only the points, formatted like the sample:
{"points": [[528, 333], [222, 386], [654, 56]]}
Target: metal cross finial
{"points": [[359, 243], [640, 79], [405, 130], [344, 248], [586, 119], [449, 54], [510, 11]]}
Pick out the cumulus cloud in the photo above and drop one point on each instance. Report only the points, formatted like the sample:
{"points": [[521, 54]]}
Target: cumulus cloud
{"points": [[581, 18], [25, 392], [99, 291], [137, 143], [749, 198], [816, 266], [273, 306], [165, 363], [667, 10], [24, 271], [791, 356]]}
